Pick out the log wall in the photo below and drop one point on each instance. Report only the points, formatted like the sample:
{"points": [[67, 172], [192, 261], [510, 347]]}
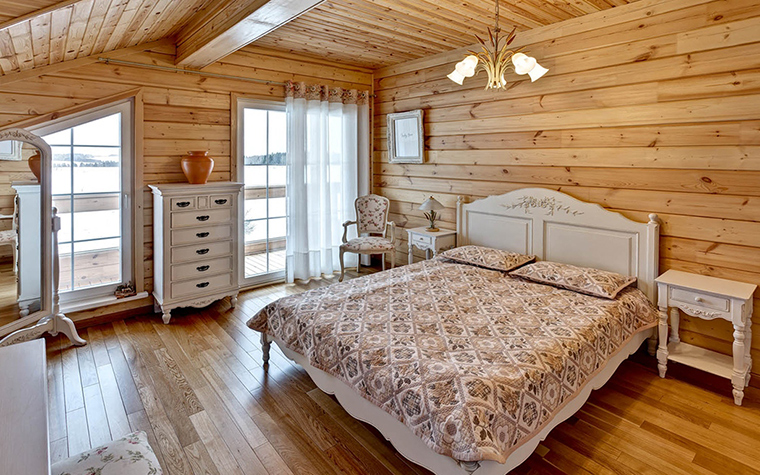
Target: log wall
{"points": [[648, 107]]}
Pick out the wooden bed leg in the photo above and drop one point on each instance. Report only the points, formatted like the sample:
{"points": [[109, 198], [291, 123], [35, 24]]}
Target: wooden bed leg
{"points": [[265, 344], [652, 345]]}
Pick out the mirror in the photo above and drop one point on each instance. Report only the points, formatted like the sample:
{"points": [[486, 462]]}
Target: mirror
{"points": [[20, 232], [28, 258]]}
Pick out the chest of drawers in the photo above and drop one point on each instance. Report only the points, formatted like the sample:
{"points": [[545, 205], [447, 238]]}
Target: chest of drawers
{"points": [[195, 254]]}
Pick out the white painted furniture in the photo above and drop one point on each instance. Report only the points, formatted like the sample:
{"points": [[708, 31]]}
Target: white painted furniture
{"points": [[707, 298], [24, 445], [28, 259], [195, 255], [553, 226], [432, 242], [372, 227]]}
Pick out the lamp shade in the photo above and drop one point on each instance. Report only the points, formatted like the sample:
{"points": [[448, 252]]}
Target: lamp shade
{"points": [[431, 204], [456, 76], [523, 63], [537, 72]]}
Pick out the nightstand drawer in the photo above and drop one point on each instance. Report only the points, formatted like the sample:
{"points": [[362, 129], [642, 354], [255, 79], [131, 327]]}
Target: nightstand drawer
{"points": [[421, 239], [700, 299]]}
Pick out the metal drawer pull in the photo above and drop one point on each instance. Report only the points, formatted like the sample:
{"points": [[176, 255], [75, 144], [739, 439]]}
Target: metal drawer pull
{"points": [[202, 285], [201, 235], [183, 204], [202, 218], [699, 299], [202, 251], [220, 202], [203, 268]]}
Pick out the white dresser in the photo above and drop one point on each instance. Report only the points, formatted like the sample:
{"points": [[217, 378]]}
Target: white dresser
{"points": [[195, 251]]}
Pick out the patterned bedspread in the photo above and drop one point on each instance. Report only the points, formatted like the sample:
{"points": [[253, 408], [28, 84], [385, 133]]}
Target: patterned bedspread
{"points": [[471, 360]]}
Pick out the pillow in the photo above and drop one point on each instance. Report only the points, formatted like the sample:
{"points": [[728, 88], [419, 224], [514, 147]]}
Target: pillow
{"points": [[585, 280], [487, 257]]}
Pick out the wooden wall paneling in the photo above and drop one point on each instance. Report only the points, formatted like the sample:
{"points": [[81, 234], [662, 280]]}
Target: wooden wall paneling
{"points": [[648, 107]]}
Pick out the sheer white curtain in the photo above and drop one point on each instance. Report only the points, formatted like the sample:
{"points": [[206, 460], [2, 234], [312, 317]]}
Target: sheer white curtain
{"points": [[327, 167]]}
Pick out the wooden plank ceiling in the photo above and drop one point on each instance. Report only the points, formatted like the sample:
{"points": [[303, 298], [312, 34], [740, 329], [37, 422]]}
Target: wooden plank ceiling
{"points": [[378, 33], [84, 28], [368, 33]]}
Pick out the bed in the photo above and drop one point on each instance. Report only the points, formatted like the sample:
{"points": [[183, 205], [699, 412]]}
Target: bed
{"points": [[462, 388]]}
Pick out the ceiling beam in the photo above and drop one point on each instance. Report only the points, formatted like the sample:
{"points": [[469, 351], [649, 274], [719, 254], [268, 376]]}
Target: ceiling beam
{"points": [[228, 25]]}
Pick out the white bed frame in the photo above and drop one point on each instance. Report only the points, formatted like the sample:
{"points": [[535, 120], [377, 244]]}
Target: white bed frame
{"points": [[553, 226]]}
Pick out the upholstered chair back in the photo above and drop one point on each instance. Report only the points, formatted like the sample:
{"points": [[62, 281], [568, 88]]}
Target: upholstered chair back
{"points": [[372, 214]]}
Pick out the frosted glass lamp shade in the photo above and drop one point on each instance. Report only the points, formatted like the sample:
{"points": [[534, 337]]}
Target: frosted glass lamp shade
{"points": [[431, 204], [537, 72], [456, 76]]}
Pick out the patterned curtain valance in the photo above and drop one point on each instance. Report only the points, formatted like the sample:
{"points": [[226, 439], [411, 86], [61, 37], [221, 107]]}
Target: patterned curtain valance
{"points": [[320, 92]]}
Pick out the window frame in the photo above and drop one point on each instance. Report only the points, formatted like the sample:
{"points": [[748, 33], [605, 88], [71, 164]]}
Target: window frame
{"points": [[241, 104], [129, 236]]}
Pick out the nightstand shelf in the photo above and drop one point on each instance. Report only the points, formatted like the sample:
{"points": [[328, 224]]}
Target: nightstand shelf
{"points": [[701, 358], [708, 298]]}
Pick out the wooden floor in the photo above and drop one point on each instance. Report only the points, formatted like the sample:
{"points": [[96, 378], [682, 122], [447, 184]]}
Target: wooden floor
{"points": [[8, 295], [197, 388]]}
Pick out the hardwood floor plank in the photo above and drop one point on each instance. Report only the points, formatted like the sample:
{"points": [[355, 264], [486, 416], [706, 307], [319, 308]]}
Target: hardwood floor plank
{"points": [[271, 459], [139, 421], [56, 404], [124, 380], [87, 369], [76, 428], [97, 421], [117, 416], [223, 459], [72, 383], [200, 460], [59, 450]]}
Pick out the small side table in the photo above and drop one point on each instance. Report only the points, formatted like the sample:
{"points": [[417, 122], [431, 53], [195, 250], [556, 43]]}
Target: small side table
{"points": [[707, 298], [430, 241]]}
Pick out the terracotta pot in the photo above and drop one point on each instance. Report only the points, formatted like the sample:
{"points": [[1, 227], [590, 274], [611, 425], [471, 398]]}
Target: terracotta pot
{"points": [[35, 163], [197, 166]]}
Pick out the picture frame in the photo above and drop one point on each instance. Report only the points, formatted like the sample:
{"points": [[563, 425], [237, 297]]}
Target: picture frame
{"points": [[406, 137], [10, 150]]}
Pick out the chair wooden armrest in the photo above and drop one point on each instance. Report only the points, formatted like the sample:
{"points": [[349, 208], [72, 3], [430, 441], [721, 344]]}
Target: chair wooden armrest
{"points": [[345, 229], [393, 230]]}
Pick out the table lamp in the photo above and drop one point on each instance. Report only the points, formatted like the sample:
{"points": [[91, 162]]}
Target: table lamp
{"points": [[430, 206]]}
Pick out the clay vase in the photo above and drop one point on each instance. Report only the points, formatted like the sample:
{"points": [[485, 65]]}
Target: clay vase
{"points": [[34, 164], [197, 166]]}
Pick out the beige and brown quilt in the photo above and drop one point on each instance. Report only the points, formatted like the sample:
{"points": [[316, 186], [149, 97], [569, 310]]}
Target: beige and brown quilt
{"points": [[472, 360]]}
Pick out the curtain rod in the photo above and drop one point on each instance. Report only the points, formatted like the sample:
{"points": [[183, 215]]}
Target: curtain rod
{"points": [[188, 71]]}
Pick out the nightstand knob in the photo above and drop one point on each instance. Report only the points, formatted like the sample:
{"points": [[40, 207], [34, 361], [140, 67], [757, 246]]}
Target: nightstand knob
{"points": [[699, 299]]}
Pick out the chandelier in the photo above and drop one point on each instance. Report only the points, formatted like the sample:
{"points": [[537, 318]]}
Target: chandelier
{"points": [[495, 60]]}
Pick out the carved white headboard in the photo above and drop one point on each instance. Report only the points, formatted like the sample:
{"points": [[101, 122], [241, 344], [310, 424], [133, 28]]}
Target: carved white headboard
{"points": [[557, 227]]}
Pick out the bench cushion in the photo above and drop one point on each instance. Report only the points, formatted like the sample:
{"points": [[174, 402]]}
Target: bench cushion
{"points": [[130, 455]]}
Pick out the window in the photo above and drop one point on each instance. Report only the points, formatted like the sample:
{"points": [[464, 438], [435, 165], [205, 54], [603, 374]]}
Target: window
{"points": [[91, 181], [262, 140]]}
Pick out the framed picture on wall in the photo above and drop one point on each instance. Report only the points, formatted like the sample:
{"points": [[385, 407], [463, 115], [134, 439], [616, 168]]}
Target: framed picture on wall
{"points": [[406, 137], [10, 150]]}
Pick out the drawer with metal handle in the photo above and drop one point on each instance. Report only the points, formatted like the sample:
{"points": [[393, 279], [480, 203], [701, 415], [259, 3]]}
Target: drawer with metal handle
{"points": [[699, 299], [220, 201], [201, 217], [179, 204], [201, 285], [201, 235], [421, 239], [198, 269], [200, 251]]}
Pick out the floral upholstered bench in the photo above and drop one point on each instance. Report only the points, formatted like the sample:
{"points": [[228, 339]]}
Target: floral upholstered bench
{"points": [[131, 455]]}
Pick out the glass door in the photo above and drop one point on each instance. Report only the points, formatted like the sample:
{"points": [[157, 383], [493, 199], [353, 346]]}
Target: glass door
{"points": [[263, 141]]}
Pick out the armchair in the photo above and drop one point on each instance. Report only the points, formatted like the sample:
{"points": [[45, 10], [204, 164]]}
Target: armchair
{"points": [[372, 228]]}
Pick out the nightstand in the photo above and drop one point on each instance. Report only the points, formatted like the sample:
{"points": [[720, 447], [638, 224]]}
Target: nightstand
{"points": [[707, 298], [430, 241]]}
